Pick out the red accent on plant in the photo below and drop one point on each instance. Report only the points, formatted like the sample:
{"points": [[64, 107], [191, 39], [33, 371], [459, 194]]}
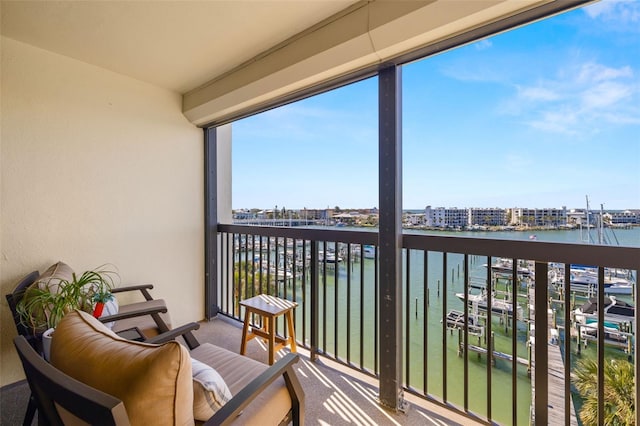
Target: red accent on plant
{"points": [[97, 311]]}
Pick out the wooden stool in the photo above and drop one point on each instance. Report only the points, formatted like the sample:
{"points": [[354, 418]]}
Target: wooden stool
{"points": [[269, 307]]}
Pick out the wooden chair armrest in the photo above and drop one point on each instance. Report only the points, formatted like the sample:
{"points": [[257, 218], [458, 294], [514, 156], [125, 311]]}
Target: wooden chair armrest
{"points": [[132, 314], [184, 331], [283, 367], [143, 288]]}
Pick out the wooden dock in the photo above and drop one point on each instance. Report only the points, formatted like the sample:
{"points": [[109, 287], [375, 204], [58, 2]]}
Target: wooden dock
{"points": [[555, 381], [556, 389]]}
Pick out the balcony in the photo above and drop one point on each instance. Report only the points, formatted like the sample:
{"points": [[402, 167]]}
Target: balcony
{"points": [[336, 395], [333, 275]]}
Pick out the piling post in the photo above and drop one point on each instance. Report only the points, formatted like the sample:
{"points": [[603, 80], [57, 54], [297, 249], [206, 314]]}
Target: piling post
{"points": [[529, 350], [438, 288], [416, 308], [578, 339], [492, 359]]}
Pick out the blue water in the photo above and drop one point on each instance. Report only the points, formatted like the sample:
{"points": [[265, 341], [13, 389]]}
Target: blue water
{"points": [[500, 376], [347, 313], [622, 237]]}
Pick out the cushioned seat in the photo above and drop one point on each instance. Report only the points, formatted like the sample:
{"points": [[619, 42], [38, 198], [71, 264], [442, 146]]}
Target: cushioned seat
{"points": [[270, 406], [156, 383]]}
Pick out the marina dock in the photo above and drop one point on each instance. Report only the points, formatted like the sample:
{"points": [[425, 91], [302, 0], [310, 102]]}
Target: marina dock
{"points": [[555, 381], [556, 388]]}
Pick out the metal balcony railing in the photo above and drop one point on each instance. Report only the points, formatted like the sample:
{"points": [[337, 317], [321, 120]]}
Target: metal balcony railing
{"points": [[493, 364]]}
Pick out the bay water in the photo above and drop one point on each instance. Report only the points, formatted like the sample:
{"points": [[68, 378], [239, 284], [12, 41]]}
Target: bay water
{"points": [[348, 325]]}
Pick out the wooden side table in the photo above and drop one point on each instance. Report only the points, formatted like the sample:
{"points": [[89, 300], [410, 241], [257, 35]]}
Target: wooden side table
{"points": [[269, 308]]}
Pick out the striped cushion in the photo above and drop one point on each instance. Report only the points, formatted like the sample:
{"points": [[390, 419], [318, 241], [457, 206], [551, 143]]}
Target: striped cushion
{"points": [[210, 392]]}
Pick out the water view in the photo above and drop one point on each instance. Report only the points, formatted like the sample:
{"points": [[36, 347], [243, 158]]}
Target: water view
{"points": [[348, 320]]}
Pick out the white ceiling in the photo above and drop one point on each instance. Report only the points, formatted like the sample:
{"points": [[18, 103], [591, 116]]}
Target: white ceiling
{"points": [[178, 45]]}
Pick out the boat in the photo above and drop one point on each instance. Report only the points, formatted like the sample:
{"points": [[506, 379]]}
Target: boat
{"points": [[584, 279], [369, 252], [588, 279], [615, 311], [455, 321], [504, 268], [330, 257], [498, 306]]}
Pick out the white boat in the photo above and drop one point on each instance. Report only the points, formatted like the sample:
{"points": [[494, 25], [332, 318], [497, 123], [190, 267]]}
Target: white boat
{"points": [[617, 318], [504, 267], [612, 285], [585, 280], [615, 311], [369, 252], [498, 306], [330, 256]]}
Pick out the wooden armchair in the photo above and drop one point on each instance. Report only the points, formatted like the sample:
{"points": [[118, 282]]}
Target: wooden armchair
{"points": [[149, 316], [130, 382]]}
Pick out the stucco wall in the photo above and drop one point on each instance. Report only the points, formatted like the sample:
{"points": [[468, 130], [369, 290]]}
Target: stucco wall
{"points": [[97, 168]]}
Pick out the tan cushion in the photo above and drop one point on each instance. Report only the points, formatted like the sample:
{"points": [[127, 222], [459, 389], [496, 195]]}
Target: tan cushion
{"points": [[51, 278], [153, 381], [269, 407]]}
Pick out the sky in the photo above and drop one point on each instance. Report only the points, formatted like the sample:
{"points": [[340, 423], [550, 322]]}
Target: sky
{"points": [[543, 116]]}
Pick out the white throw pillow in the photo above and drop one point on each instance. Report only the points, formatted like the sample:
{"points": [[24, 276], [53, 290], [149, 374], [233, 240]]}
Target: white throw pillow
{"points": [[210, 392]]}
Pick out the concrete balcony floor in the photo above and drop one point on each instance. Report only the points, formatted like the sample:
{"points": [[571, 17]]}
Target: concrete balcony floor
{"points": [[335, 394]]}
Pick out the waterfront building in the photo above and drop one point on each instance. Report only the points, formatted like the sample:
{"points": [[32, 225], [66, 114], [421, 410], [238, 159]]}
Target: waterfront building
{"points": [[414, 219], [539, 217], [244, 214], [576, 217], [442, 217], [487, 216], [627, 217]]}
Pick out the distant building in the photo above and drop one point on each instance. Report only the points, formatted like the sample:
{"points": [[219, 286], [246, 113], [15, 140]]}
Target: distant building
{"points": [[442, 217], [244, 214], [627, 217], [539, 217], [414, 219], [487, 216]]}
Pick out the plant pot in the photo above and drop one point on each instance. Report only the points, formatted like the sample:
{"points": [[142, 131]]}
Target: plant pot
{"points": [[46, 343], [97, 310]]}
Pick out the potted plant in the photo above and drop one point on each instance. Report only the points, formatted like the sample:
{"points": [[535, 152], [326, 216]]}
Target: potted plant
{"points": [[100, 298], [43, 305]]}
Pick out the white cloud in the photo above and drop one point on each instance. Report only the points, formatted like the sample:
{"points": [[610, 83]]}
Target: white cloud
{"points": [[537, 93], [605, 95], [591, 73], [483, 44], [611, 11], [562, 122], [580, 99]]}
